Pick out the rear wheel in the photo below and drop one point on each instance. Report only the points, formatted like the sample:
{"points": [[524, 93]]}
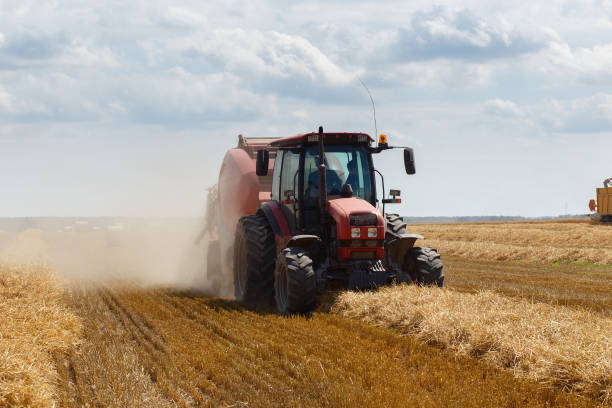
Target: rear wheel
{"points": [[422, 265], [395, 226], [294, 281], [254, 259]]}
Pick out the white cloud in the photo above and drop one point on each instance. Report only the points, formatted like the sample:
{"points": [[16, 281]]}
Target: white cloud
{"points": [[591, 65], [435, 74], [500, 107], [38, 49], [572, 115], [182, 17], [268, 53], [6, 101], [117, 108], [181, 98], [82, 54], [580, 115], [300, 114], [528, 141], [444, 32], [444, 27]]}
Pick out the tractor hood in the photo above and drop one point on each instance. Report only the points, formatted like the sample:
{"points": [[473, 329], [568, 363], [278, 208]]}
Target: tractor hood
{"points": [[341, 209]]}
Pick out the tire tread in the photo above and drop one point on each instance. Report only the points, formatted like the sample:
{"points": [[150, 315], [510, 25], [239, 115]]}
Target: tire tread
{"points": [[260, 255], [301, 280]]}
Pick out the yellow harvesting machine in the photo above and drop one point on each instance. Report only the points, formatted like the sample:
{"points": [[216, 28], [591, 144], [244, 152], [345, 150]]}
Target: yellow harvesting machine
{"points": [[602, 208]]}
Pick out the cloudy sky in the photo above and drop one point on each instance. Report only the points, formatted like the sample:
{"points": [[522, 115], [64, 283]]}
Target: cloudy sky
{"points": [[126, 108]]}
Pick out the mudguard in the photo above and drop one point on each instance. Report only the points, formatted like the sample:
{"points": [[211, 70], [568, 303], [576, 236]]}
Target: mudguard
{"points": [[312, 244], [276, 218], [400, 245], [304, 241]]}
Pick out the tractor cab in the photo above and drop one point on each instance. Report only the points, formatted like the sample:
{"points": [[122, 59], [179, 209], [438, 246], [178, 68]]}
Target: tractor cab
{"points": [[296, 179]]}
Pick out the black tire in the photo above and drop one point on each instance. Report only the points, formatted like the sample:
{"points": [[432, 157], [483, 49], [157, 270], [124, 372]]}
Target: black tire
{"points": [[423, 266], [254, 260], [294, 282], [395, 226]]}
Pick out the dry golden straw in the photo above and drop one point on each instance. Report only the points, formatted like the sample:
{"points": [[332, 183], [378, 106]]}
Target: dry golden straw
{"points": [[564, 347], [34, 325], [533, 242]]}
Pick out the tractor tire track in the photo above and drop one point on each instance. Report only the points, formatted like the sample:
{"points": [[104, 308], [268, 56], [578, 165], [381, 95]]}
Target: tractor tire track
{"points": [[228, 338], [167, 348], [282, 376], [175, 385]]}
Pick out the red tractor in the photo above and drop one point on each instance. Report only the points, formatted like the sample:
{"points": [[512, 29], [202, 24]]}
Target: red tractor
{"points": [[284, 239]]}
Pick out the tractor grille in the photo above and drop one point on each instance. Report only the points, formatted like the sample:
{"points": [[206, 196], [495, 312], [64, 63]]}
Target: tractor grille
{"points": [[367, 275], [363, 219], [363, 243], [363, 255]]}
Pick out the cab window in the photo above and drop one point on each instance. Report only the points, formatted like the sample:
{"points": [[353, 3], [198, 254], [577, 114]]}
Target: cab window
{"points": [[289, 180], [289, 183], [276, 177], [345, 165]]}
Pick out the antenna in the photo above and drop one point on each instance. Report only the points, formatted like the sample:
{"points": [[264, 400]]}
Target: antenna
{"points": [[373, 107]]}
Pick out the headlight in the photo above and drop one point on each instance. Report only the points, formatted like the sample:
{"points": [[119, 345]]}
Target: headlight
{"points": [[372, 232], [355, 232]]}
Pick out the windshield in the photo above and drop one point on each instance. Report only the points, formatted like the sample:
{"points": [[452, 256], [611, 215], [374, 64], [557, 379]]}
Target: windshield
{"points": [[345, 165]]}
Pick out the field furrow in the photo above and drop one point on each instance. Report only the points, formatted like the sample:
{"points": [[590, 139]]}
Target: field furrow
{"points": [[197, 351]]}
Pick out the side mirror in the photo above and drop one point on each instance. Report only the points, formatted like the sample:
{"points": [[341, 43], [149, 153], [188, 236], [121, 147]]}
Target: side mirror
{"points": [[409, 161], [263, 160]]}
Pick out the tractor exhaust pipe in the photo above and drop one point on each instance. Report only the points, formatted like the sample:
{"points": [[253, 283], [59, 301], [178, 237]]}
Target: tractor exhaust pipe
{"points": [[322, 182]]}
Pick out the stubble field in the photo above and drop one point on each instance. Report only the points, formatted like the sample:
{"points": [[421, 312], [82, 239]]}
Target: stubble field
{"points": [[531, 329]]}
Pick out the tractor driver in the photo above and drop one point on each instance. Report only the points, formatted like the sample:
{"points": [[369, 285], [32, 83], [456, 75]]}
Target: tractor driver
{"points": [[334, 183], [353, 177]]}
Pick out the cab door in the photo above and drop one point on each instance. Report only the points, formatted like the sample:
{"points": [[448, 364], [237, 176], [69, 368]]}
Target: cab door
{"points": [[289, 188]]}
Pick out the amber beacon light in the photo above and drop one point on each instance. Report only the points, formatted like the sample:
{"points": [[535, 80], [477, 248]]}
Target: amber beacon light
{"points": [[382, 140]]}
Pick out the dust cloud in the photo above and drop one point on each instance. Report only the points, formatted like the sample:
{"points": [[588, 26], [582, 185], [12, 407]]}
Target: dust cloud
{"points": [[160, 252]]}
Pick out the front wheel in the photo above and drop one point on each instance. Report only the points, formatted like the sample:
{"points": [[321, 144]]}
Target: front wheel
{"points": [[423, 266], [294, 281]]}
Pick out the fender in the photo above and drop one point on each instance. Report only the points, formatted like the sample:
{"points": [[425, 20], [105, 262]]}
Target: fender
{"points": [[400, 245], [304, 241], [276, 218], [412, 237], [311, 243]]}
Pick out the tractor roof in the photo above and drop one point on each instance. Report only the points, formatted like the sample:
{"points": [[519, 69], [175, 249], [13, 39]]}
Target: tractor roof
{"points": [[328, 138]]}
